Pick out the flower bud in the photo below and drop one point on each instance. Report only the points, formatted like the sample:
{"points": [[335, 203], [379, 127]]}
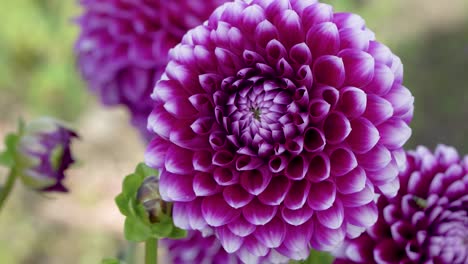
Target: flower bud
{"points": [[43, 154], [148, 195]]}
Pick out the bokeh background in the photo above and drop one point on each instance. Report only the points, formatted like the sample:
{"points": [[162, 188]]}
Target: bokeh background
{"points": [[38, 77]]}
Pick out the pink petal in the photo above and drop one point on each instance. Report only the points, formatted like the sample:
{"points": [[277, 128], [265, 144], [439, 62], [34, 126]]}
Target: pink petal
{"points": [[385, 175], [296, 169], [321, 195], [359, 67], [323, 39], [378, 110], [251, 17], [325, 238], [316, 14], [276, 191], [360, 198], [245, 162], [178, 160], [236, 196], [342, 161], [354, 38], [380, 52], [175, 187], [300, 54], [180, 215], [265, 32], [241, 227], [155, 154], [255, 181], [230, 242], [289, 27], [353, 181], [204, 184], [161, 122], [353, 102], [314, 140], [364, 216], [202, 161], [364, 135], [217, 212], [348, 20], [394, 133], [318, 110], [257, 213], [271, 234], [297, 217], [332, 217], [225, 176], [277, 163], [401, 99], [329, 70], [336, 128], [382, 81], [376, 159], [319, 168], [297, 195]]}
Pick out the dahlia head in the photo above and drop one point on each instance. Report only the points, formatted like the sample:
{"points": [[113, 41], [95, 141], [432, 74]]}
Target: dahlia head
{"points": [[427, 222], [43, 154], [277, 123], [123, 44]]}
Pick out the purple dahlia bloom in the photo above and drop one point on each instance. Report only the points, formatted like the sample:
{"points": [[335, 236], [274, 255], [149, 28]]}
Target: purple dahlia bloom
{"points": [[276, 124], [43, 154], [427, 222], [123, 45]]}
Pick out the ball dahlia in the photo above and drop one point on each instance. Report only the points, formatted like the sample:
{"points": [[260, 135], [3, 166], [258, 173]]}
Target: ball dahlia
{"points": [[427, 222], [276, 124], [123, 45]]}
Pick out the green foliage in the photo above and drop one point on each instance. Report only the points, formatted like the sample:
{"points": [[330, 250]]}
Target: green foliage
{"points": [[7, 158], [138, 226], [316, 257], [111, 261]]}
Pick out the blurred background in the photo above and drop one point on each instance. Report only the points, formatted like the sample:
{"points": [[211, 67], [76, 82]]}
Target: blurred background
{"points": [[38, 77]]}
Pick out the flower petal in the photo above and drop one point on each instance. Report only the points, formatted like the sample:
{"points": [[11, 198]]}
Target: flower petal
{"points": [[217, 212]]}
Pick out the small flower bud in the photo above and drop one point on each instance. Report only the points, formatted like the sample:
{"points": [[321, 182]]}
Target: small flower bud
{"points": [[148, 195], [43, 154]]}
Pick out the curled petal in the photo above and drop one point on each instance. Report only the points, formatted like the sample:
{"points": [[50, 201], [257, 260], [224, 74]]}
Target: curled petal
{"points": [[363, 216], [265, 32], [354, 38], [363, 137], [255, 181], [336, 128], [319, 168], [353, 102], [401, 99], [314, 140], [271, 234], [359, 67], [380, 52], [375, 159], [329, 70], [316, 14], [300, 54], [241, 227], [277, 163], [202, 161], [236, 196], [276, 191], [289, 28], [318, 110], [394, 133], [296, 168], [176, 188], [353, 181], [382, 81], [178, 160], [360, 198], [325, 238], [348, 20], [323, 39], [321, 195], [342, 161], [217, 212], [297, 217], [155, 154], [257, 213], [332, 217], [378, 110], [231, 242], [245, 162], [204, 184], [297, 195]]}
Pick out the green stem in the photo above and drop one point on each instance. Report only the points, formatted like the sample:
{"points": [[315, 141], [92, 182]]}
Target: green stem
{"points": [[151, 251], [5, 191]]}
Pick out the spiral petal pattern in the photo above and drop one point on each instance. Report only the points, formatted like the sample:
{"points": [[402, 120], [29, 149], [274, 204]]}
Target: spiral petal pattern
{"points": [[286, 119]]}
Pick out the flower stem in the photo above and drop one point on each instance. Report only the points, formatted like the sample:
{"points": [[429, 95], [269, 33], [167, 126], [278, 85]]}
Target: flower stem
{"points": [[151, 251], [5, 191]]}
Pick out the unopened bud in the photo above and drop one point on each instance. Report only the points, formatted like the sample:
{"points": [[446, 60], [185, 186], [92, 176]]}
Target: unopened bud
{"points": [[148, 195]]}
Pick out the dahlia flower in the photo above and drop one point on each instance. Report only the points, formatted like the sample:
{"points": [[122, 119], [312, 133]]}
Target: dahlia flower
{"points": [[277, 123], [123, 45], [43, 154], [427, 222]]}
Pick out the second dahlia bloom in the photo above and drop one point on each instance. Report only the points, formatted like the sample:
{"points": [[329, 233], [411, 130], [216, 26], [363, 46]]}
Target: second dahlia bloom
{"points": [[43, 154], [427, 222], [123, 45], [276, 124]]}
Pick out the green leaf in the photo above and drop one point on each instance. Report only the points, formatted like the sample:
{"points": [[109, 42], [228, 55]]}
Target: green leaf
{"points": [[6, 159], [177, 233], [162, 229], [111, 261], [136, 230], [145, 171], [317, 257]]}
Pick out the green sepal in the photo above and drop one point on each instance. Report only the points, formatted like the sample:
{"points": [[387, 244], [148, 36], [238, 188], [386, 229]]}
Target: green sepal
{"points": [[111, 261], [7, 157], [138, 226], [135, 230], [316, 257]]}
